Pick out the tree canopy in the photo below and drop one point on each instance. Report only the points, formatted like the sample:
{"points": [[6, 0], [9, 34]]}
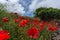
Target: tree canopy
{"points": [[47, 14]]}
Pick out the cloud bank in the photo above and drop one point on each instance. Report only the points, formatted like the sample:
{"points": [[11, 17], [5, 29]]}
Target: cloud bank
{"points": [[44, 3], [13, 6], [26, 7]]}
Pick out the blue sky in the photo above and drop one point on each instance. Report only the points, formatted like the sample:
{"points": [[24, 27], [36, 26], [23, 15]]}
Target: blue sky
{"points": [[27, 7]]}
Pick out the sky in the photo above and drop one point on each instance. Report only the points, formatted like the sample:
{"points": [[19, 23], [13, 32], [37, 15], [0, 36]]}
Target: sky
{"points": [[27, 7]]}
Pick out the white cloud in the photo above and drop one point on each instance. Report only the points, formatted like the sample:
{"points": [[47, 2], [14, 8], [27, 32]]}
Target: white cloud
{"points": [[33, 5], [49, 3], [13, 6], [3, 1], [44, 3], [13, 1]]}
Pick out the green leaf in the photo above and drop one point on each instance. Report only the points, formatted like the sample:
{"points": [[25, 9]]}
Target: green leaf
{"points": [[39, 38]]}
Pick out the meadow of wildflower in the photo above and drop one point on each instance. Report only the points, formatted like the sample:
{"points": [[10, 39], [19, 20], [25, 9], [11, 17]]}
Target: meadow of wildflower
{"points": [[17, 27]]}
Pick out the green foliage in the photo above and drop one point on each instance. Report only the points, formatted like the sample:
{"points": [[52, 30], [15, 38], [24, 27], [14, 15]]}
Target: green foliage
{"points": [[47, 14], [10, 26], [3, 13]]}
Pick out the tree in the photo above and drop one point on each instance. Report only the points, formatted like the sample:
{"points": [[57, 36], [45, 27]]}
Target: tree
{"points": [[47, 14]]}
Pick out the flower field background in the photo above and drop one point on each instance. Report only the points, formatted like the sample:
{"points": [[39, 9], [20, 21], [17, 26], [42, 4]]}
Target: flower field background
{"points": [[39, 27]]}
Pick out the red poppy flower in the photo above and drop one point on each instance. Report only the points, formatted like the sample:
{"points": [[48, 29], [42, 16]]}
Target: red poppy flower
{"points": [[42, 25], [28, 22], [4, 35], [4, 19], [21, 17], [49, 25], [16, 20], [53, 29], [23, 23], [33, 32], [36, 21]]}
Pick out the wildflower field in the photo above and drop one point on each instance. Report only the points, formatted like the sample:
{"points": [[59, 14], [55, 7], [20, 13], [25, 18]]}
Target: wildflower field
{"points": [[39, 27]]}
